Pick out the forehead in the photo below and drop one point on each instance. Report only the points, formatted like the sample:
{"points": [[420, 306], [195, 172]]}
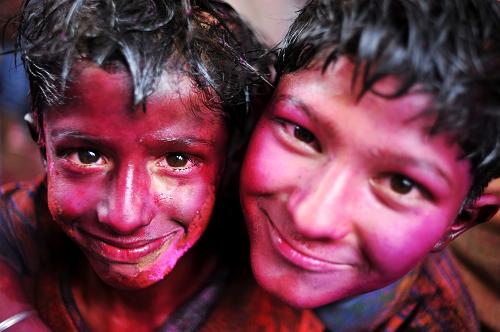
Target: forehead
{"points": [[89, 81], [99, 99], [85, 75], [337, 84]]}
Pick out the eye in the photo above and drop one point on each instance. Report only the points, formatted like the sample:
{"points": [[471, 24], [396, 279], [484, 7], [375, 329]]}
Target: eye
{"points": [[303, 134], [177, 161], [400, 190], [86, 157], [294, 132], [401, 184]]}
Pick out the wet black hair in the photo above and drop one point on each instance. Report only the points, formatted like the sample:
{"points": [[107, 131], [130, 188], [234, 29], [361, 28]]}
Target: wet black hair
{"points": [[204, 40], [448, 48]]}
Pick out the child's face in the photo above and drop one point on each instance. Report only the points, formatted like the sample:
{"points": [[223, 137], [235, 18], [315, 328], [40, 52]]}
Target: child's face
{"points": [[133, 189], [343, 197]]}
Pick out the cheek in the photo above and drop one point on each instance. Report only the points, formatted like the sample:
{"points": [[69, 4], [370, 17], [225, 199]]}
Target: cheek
{"points": [[68, 197], [268, 166], [70, 200], [397, 247], [202, 206], [190, 201], [198, 209]]}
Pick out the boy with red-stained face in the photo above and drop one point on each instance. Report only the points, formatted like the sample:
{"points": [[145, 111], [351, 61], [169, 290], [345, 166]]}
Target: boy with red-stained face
{"points": [[134, 107], [134, 190], [381, 135]]}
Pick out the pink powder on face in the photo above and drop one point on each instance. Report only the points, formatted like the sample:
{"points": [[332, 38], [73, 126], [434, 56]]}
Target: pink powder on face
{"points": [[343, 196], [134, 190]]}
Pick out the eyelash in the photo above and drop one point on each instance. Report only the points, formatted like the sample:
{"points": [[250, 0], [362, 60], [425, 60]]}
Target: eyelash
{"points": [[385, 187], [73, 156], [190, 160], [289, 128]]}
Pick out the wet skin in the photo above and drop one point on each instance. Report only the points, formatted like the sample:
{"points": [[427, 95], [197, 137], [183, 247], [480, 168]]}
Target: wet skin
{"points": [[134, 190], [343, 196]]}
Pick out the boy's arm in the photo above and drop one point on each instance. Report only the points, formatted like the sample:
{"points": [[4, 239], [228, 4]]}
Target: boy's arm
{"points": [[13, 300]]}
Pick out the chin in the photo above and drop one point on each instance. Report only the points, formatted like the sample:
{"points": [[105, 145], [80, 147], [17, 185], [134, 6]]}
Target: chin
{"points": [[304, 299], [117, 281], [284, 286], [300, 290], [291, 295], [129, 276]]}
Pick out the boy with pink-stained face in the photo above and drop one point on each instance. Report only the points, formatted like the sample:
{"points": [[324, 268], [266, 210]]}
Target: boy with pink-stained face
{"points": [[381, 135]]}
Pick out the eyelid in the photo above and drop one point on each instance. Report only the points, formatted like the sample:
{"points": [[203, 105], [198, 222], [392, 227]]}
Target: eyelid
{"points": [[291, 111], [381, 187], [193, 161], [286, 126], [424, 189], [67, 156]]}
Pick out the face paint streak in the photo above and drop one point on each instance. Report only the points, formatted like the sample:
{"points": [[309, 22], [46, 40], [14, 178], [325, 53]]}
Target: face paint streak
{"points": [[151, 258], [164, 261]]}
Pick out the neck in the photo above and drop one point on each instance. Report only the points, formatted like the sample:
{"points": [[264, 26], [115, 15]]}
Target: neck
{"points": [[142, 309]]}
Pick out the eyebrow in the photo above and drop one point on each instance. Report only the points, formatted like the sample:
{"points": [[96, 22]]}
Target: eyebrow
{"points": [[308, 111], [390, 156], [298, 103], [182, 141], [63, 133]]}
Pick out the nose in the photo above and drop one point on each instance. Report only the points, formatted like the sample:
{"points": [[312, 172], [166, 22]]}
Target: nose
{"points": [[319, 207], [127, 206]]}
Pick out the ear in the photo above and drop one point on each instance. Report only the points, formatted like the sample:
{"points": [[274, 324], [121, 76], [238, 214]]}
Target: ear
{"points": [[477, 212], [33, 129]]}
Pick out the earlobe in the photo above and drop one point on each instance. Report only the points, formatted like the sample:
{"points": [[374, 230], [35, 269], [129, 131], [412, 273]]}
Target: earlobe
{"points": [[478, 212], [34, 132]]}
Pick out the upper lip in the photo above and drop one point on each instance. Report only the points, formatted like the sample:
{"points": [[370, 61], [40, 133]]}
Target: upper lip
{"points": [[299, 248], [123, 242]]}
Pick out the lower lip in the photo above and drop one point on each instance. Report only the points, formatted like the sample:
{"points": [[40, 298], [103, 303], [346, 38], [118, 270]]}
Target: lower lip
{"points": [[299, 259], [105, 251]]}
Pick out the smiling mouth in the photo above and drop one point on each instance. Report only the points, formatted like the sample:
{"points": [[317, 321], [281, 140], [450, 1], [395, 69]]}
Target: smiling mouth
{"points": [[297, 257], [125, 252]]}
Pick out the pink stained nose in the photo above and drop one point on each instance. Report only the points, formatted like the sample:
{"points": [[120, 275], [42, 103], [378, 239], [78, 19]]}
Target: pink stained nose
{"points": [[127, 207], [319, 210]]}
